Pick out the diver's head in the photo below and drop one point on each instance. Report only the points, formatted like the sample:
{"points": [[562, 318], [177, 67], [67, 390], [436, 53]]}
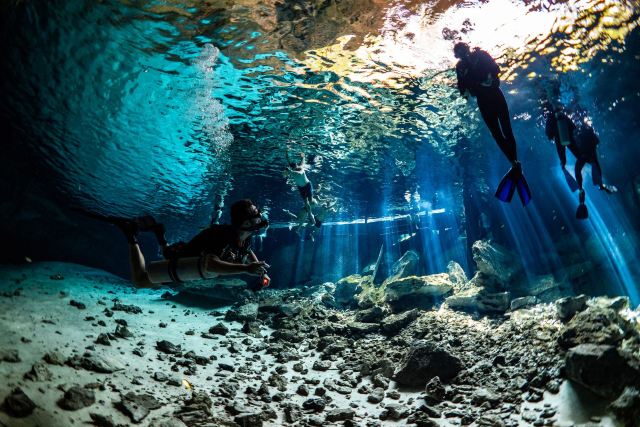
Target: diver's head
{"points": [[461, 50], [246, 218]]}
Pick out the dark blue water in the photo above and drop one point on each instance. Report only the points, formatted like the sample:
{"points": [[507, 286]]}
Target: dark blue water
{"points": [[127, 109]]}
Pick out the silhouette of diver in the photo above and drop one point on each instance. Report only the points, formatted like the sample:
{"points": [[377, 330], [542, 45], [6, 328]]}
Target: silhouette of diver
{"points": [[477, 74], [582, 141]]}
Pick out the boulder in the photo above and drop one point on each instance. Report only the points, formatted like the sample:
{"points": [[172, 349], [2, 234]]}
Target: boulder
{"points": [[567, 307], [627, 406], [457, 276], [371, 315], [594, 326], [407, 265], [426, 360], [96, 363], [138, 406], [18, 404], [242, 313], [603, 369], [416, 292], [346, 290], [394, 323], [475, 299], [496, 261], [77, 398], [523, 302]]}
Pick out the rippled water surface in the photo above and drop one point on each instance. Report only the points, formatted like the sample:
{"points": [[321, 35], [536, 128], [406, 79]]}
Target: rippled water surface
{"points": [[177, 101]]}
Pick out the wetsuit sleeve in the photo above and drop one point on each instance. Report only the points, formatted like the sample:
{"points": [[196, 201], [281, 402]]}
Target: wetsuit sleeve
{"points": [[461, 72]]}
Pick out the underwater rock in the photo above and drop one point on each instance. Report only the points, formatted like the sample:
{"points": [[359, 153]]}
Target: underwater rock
{"points": [[359, 328], [38, 372], [196, 410], [495, 261], [54, 358], [426, 360], [137, 406], [395, 412], [416, 292], [476, 299], [346, 290], [523, 302], [457, 276], [103, 339], [595, 326], [603, 369], [394, 323], [627, 406], [371, 315], [316, 404], [10, 356], [100, 420], [123, 332], [77, 304], [17, 404], [95, 362], [545, 288], [131, 309], [339, 414], [407, 265], [77, 398], [567, 307], [435, 391], [482, 395], [242, 313], [249, 419], [616, 304], [168, 347], [219, 329]]}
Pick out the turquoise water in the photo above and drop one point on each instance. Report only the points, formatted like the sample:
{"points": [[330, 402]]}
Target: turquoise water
{"points": [[126, 108]]}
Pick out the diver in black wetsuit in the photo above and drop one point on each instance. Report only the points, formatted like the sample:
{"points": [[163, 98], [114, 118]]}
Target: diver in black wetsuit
{"points": [[582, 141], [477, 74]]}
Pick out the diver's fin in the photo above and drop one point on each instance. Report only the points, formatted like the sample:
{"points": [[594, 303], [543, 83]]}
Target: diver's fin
{"points": [[571, 181], [582, 212], [523, 189], [506, 187]]}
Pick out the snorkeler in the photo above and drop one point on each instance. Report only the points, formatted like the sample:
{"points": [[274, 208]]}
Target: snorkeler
{"points": [[216, 250], [582, 141], [297, 171], [477, 74]]}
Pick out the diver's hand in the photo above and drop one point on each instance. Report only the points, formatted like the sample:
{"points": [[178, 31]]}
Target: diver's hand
{"points": [[256, 268]]}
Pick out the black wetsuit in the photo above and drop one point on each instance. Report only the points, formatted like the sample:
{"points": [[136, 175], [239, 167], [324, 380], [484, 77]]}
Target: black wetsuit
{"points": [[582, 144], [472, 72], [220, 240]]}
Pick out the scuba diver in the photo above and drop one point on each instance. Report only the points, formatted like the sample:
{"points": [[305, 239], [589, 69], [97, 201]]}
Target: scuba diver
{"points": [[218, 205], [582, 141], [297, 172], [477, 74], [216, 250]]}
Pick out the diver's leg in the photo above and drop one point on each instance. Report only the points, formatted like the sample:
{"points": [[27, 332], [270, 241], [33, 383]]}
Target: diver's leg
{"points": [[139, 275], [490, 117], [578, 171], [596, 172], [502, 109], [307, 206]]}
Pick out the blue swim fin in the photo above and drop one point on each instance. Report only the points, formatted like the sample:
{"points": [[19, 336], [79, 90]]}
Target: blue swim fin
{"points": [[507, 187], [523, 189], [571, 181]]}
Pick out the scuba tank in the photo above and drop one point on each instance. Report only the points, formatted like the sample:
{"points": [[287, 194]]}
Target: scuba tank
{"points": [[562, 122], [178, 270]]}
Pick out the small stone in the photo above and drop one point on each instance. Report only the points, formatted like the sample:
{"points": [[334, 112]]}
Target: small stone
{"points": [[321, 365], [10, 356], [302, 390], [168, 347], [18, 404], [219, 329], [344, 414], [315, 404], [39, 372], [131, 309], [138, 406], [77, 304], [77, 398], [103, 339]]}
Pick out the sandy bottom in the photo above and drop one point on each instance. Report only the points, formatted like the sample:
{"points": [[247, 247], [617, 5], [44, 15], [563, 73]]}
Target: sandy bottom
{"points": [[40, 320]]}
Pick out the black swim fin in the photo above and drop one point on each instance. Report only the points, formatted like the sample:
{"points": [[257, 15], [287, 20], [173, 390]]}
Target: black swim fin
{"points": [[507, 187], [571, 181], [582, 212]]}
